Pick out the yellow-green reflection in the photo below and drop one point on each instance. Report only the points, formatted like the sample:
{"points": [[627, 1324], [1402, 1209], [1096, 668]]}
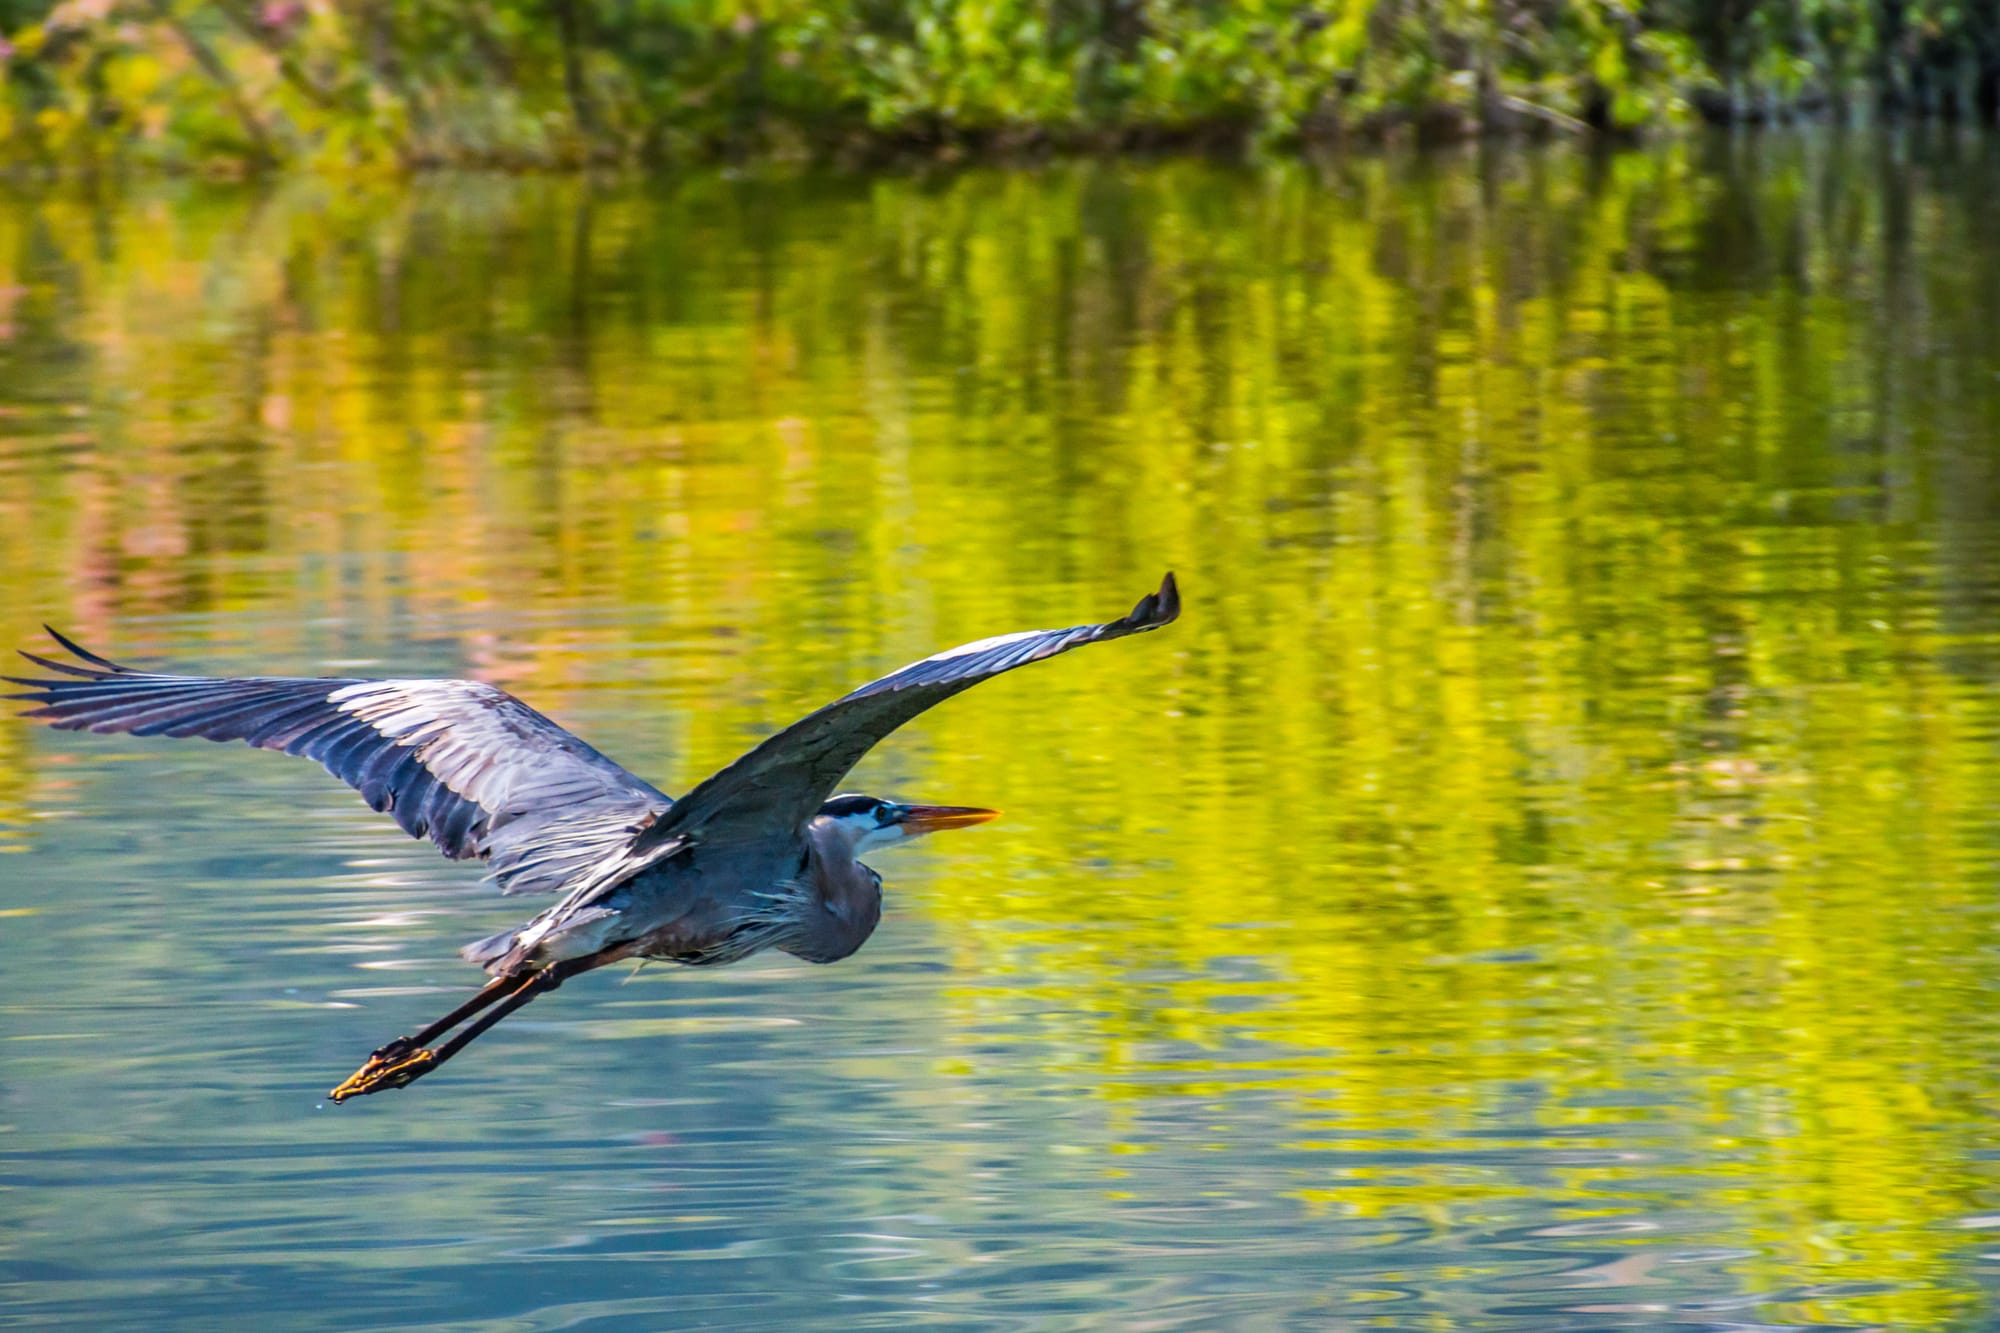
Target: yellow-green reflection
{"points": [[1579, 747]]}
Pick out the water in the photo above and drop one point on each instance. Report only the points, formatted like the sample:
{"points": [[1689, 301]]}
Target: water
{"points": [[1546, 881]]}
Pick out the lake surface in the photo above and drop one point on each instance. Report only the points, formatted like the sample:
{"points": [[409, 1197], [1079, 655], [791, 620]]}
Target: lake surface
{"points": [[1548, 880]]}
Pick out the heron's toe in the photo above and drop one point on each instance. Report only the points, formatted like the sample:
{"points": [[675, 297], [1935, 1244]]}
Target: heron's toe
{"points": [[394, 1066]]}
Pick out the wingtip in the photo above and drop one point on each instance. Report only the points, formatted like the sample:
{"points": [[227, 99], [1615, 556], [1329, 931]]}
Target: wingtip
{"points": [[50, 664], [81, 652], [1158, 608]]}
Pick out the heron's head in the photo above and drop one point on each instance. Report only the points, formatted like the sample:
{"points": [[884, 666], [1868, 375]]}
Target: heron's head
{"points": [[874, 823]]}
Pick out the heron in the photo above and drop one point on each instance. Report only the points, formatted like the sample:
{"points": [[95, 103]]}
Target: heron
{"points": [[763, 854]]}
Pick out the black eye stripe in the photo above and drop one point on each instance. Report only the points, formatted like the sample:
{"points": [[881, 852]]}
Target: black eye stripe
{"points": [[848, 804]]}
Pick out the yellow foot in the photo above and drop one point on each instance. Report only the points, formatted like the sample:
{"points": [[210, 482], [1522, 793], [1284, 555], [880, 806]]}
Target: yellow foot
{"points": [[391, 1067]]}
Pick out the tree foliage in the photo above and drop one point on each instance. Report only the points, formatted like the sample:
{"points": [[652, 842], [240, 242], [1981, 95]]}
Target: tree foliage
{"points": [[543, 82]]}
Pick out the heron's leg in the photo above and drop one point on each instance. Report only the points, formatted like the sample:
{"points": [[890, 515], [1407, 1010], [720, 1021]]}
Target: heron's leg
{"points": [[496, 989], [406, 1059]]}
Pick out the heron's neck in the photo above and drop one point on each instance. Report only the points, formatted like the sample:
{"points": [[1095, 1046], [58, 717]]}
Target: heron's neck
{"points": [[831, 840], [845, 897]]}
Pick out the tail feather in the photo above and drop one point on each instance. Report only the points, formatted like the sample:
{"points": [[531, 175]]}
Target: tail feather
{"points": [[489, 951]]}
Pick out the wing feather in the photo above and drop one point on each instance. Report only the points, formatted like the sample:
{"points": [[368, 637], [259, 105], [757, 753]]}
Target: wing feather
{"points": [[781, 783], [467, 765]]}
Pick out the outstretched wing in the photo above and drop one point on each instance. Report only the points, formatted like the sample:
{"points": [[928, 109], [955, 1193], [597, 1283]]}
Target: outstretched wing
{"points": [[779, 785], [466, 765]]}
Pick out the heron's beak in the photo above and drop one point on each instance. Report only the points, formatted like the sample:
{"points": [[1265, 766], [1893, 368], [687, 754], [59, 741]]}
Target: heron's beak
{"points": [[917, 820]]}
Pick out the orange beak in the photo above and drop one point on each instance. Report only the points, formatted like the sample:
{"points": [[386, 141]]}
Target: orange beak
{"points": [[921, 819]]}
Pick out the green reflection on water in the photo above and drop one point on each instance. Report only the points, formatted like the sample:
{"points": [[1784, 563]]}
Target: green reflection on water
{"points": [[1567, 803]]}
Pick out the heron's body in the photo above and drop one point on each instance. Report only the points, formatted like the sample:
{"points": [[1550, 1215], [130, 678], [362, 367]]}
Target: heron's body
{"points": [[705, 906], [758, 856]]}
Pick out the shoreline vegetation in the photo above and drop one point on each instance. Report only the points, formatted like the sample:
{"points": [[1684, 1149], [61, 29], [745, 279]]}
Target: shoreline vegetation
{"points": [[241, 86]]}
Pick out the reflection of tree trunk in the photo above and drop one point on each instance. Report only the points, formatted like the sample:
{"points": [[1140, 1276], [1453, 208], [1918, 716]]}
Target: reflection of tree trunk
{"points": [[261, 151], [570, 24], [577, 347]]}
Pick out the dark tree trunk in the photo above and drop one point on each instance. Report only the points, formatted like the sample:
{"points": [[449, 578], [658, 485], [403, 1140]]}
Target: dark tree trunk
{"points": [[569, 24]]}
